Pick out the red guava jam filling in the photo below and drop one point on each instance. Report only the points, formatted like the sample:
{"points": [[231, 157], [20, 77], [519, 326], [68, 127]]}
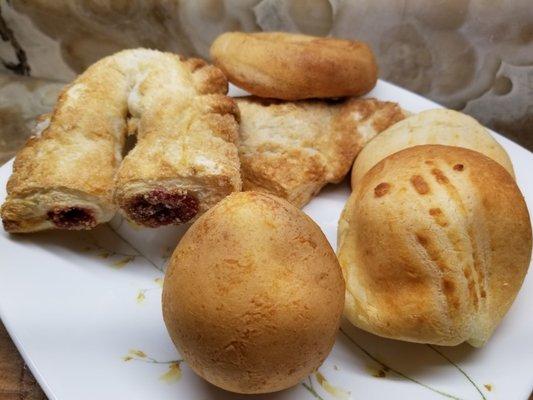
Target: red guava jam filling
{"points": [[72, 218], [161, 207]]}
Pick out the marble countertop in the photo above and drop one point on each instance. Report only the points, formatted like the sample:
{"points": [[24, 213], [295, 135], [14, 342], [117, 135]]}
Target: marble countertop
{"points": [[471, 55]]}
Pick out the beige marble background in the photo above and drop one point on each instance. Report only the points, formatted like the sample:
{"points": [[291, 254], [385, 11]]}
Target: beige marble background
{"points": [[471, 55]]}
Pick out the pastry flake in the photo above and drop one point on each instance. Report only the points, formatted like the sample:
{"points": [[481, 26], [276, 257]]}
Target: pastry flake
{"points": [[64, 177], [293, 149]]}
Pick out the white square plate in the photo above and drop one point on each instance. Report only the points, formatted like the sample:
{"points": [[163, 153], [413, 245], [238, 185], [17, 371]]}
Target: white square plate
{"points": [[84, 310]]}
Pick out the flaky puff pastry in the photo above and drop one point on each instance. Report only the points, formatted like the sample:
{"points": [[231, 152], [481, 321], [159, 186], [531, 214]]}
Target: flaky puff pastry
{"points": [[185, 159], [64, 177], [293, 149]]}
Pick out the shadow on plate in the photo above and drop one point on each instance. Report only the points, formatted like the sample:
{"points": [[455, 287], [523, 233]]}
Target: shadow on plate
{"points": [[115, 244]]}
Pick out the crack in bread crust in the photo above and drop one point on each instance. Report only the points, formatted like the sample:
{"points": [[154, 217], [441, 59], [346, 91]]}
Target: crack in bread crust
{"points": [[476, 287]]}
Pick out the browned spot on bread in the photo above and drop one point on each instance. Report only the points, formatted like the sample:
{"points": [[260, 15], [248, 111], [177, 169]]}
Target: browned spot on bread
{"points": [[478, 267], [10, 225], [473, 292], [428, 162], [381, 189], [305, 240], [385, 114], [438, 216], [476, 279], [435, 211], [458, 167], [439, 175], [448, 285], [420, 184], [421, 239]]}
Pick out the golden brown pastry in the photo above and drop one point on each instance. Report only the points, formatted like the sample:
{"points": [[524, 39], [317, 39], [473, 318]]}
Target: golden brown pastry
{"points": [[434, 243], [64, 176], [291, 66], [440, 126], [293, 149], [186, 158], [253, 294]]}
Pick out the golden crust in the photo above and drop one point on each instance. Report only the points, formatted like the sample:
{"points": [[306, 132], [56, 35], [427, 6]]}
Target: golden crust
{"points": [[70, 166], [186, 144], [72, 161], [292, 67], [253, 294], [439, 126], [293, 149], [434, 243]]}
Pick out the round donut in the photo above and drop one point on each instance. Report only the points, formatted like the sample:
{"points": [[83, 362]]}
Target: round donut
{"points": [[292, 66]]}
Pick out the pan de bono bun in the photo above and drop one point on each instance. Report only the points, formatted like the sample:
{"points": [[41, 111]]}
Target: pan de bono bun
{"points": [[434, 243], [440, 126], [253, 294], [291, 66]]}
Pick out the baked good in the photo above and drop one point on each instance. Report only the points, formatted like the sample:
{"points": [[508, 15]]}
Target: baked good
{"points": [[290, 66], [439, 126], [65, 176], [186, 157], [253, 294], [434, 243], [293, 149]]}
